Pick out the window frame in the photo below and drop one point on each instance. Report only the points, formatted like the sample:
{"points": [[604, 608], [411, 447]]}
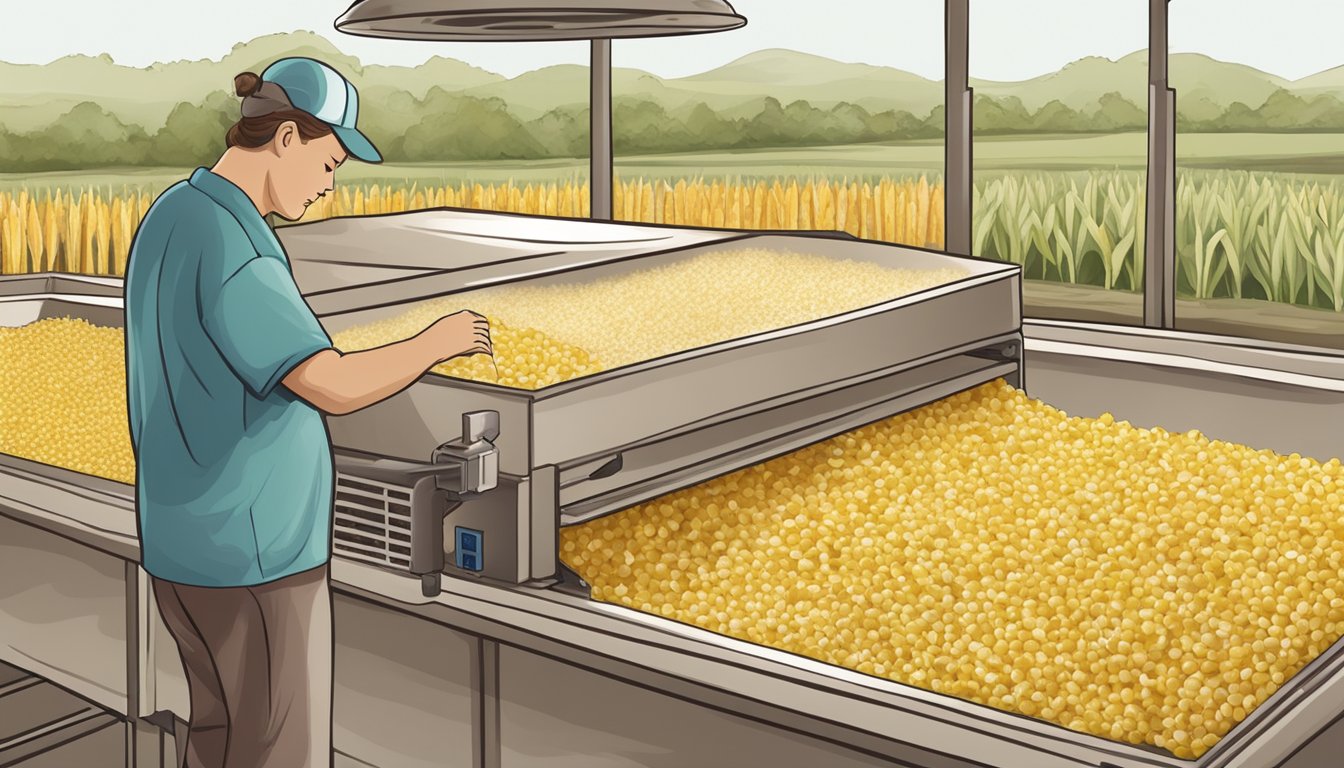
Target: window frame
{"points": [[1159, 291]]}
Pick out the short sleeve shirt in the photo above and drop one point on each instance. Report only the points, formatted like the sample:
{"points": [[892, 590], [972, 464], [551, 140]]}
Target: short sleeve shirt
{"points": [[233, 470]]}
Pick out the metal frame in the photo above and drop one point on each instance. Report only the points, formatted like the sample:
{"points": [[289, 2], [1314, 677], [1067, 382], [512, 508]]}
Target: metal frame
{"points": [[957, 135], [1280, 364], [1160, 256], [1159, 289], [599, 109], [1159, 294]]}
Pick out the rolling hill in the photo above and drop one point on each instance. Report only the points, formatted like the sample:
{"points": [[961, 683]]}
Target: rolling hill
{"points": [[32, 96]]}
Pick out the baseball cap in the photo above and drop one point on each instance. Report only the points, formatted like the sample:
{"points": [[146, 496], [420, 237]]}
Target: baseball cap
{"points": [[313, 87]]}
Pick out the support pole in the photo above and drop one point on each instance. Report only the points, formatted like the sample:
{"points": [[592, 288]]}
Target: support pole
{"points": [[600, 155], [1159, 257], [957, 134]]}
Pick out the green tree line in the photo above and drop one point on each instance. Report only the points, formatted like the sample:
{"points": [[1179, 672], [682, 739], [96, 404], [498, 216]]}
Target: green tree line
{"points": [[445, 126]]}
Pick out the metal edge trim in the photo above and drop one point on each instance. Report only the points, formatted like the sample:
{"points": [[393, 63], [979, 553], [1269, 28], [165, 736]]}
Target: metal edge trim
{"points": [[1185, 362]]}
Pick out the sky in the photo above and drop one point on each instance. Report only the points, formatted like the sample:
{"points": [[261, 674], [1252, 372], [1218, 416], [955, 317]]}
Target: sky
{"points": [[1010, 39]]}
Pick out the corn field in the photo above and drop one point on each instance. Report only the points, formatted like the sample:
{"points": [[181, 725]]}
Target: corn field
{"points": [[1238, 235], [1244, 236], [91, 233], [1060, 230], [60, 232]]}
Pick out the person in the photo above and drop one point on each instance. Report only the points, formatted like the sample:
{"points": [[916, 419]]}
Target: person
{"points": [[229, 374]]}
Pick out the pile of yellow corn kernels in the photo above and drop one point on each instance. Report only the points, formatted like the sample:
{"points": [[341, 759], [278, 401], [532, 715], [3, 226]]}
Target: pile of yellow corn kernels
{"points": [[63, 397], [547, 334], [1137, 584]]}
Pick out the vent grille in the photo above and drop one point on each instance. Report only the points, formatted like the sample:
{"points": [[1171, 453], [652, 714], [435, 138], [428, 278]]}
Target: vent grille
{"points": [[372, 521]]}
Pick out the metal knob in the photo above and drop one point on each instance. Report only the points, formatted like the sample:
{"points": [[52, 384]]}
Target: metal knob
{"points": [[480, 425], [471, 463]]}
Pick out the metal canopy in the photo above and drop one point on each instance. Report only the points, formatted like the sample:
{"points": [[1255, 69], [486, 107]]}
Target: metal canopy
{"points": [[533, 20]]}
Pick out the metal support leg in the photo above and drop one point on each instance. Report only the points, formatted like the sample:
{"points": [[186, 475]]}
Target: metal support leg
{"points": [[486, 693], [144, 739], [600, 156], [145, 745]]}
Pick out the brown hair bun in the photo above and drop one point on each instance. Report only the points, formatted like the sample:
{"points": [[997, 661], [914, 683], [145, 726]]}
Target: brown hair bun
{"points": [[246, 84]]}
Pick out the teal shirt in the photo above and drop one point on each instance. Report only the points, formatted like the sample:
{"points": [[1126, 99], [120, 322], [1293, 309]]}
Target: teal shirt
{"points": [[233, 470]]}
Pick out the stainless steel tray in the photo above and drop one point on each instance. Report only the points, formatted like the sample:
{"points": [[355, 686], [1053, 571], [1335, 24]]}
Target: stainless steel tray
{"points": [[593, 418], [28, 298], [603, 442], [940, 729]]}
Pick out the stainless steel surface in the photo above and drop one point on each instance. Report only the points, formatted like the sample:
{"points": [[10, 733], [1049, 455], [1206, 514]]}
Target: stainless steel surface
{"points": [[594, 416], [501, 20], [21, 309], [39, 283], [1286, 364], [404, 691], [556, 715], [64, 608]]}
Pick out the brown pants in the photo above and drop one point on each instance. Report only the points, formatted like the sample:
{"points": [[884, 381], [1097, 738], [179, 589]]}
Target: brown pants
{"points": [[259, 667]]}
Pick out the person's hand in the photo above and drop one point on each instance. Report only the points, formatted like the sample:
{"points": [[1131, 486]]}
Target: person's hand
{"points": [[460, 334]]}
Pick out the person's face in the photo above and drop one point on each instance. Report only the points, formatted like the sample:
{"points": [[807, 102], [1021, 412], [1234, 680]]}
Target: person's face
{"points": [[306, 170]]}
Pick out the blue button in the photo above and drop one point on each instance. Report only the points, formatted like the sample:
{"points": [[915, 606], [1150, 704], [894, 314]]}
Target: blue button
{"points": [[470, 542], [470, 555]]}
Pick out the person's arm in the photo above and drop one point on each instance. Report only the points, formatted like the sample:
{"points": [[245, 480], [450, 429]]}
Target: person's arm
{"points": [[267, 335], [340, 383]]}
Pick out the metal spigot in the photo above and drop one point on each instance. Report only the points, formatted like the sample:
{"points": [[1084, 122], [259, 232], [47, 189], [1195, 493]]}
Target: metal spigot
{"points": [[473, 458], [462, 469]]}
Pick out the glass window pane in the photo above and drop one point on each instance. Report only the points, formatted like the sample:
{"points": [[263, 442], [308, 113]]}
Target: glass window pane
{"points": [[1060, 151], [799, 121], [1260, 184]]}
